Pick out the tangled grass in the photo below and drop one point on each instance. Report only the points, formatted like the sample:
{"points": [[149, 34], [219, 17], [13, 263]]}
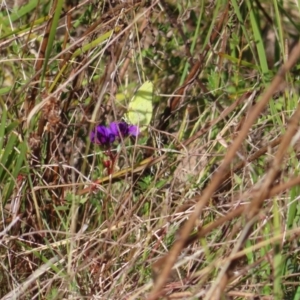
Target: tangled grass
{"points": [[203, 204]]}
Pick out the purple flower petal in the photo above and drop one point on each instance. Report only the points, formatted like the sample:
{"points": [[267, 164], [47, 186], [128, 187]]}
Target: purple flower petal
{"points": [[124, 128], [114, 128], [133, 130], [119, 129], [102, 135], [107, 135]]}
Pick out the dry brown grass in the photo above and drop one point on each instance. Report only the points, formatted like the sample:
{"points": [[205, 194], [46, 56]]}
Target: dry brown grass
{"points": [[201, 206]]}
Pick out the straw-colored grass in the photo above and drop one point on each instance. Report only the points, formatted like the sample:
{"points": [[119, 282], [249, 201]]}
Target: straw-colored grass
{"points": [[203, 204]]}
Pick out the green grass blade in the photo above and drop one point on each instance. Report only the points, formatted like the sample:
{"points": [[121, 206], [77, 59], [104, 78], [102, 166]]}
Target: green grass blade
{"points": [[20, 158], [18, 13], [52, 34], [2, 126], [254, 19], [8, 156]]}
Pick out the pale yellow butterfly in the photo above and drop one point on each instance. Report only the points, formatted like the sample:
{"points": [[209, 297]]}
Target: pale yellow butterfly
{"points": [[140, 106]]}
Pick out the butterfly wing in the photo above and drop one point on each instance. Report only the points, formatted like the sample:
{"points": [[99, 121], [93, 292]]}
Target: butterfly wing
{"points": [[140, 107]]}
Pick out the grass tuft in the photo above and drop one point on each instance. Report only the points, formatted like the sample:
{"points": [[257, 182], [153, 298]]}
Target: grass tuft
{"points": [[203, 203]]}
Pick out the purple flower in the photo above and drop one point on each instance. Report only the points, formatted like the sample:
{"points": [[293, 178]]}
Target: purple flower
{"points": [[102, 135], [119, 129], [107, 135], [122, 129], [133, 130]]}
